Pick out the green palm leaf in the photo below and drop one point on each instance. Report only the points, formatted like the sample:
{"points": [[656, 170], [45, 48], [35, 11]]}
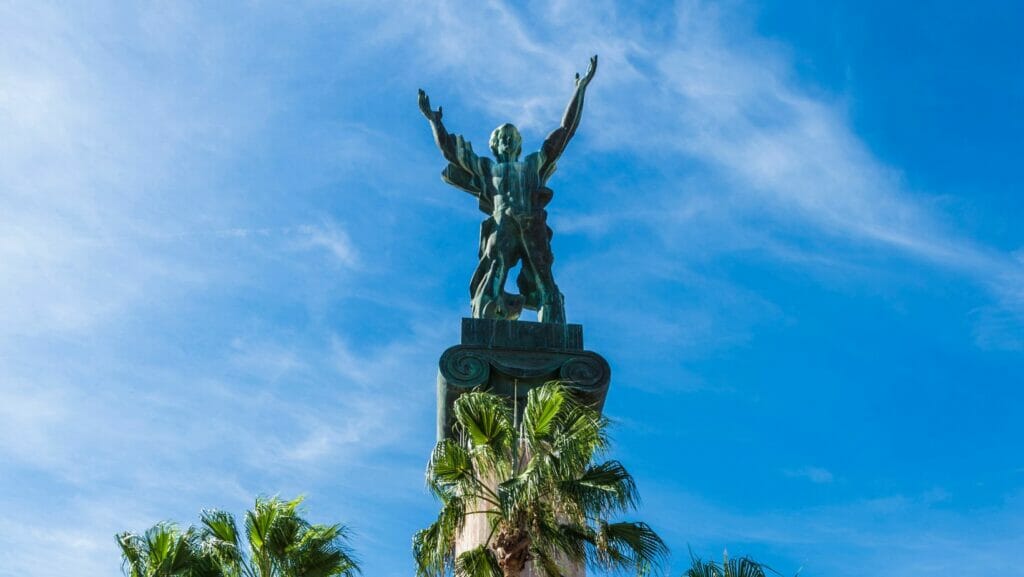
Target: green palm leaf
{"points": [[165, 551], [543, 404], [539, 488], [699, 568], [434, 547], [602, 488], [219, 538], [279, 542], [486, 419], [477, 562], [621, 545], [449, 467], [736, 567]]}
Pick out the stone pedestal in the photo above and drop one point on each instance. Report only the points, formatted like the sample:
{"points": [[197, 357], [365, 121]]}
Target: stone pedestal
{"points": [[509, 358]]}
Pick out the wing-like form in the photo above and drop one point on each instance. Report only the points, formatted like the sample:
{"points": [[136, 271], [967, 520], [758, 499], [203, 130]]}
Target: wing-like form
{"points": [[469, 173]]}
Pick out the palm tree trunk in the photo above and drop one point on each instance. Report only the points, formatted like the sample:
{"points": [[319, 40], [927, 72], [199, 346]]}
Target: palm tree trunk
{"points": [[476, 531], [512, 549]]}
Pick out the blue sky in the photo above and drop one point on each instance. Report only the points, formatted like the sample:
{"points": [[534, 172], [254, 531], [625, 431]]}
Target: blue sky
{"points": [[228, 266]]}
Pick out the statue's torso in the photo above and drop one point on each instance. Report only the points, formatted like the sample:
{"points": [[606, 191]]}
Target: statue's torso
{"points": [[514, 184]]}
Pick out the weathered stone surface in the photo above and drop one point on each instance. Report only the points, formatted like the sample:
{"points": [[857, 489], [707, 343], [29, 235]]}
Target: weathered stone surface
{"points": [[510, 358], [500, 334]]}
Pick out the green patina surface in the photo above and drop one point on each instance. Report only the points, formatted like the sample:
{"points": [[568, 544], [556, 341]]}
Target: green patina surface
{"points": [[514, 194], [511, 358]]}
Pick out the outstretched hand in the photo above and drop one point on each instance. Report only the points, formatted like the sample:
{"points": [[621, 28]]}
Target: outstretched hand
{"points": [[583, 82], [432, 115]]}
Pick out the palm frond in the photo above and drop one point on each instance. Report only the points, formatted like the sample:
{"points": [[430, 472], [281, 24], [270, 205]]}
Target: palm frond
{"points": [[133, 555], [543, 405], [601, 489], [487, 421], [282, 543], [319, 551], [581, 436], [450, 467], [700, 568], [547, 564], [434, 547], [735, 567], [165, 551], [266, 528], [564, 540], [219, 540], [742, 567], [477, 562], [621, 546], [517, 494], [258, 523]]}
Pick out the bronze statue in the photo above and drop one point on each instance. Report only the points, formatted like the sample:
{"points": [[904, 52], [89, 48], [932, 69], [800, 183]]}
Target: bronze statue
{"points": [[513, 193]]}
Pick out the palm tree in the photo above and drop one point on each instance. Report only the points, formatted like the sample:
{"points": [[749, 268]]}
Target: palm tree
{"points": [[741, 567], [538, 486], [278, 543], [165, 551]]}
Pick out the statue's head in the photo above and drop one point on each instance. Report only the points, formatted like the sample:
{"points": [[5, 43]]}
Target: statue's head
{"points": [[506, 144]]}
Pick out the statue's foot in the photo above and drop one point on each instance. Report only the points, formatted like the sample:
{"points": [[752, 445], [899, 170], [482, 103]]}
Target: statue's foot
{"points": [[512, 305], [553, 312], [507, 307]]}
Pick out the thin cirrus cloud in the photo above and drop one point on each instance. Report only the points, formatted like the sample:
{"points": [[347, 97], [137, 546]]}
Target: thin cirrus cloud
{"points": [[812, 474]]}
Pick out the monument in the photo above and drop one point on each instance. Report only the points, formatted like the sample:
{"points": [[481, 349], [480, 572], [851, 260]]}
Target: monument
{"points": [[498, 352]]}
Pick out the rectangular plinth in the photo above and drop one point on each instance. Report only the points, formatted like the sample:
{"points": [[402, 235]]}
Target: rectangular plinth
{"points": [[501, 334]]}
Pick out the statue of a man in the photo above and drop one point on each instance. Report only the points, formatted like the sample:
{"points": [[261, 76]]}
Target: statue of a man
{"points": [[513, 194]]}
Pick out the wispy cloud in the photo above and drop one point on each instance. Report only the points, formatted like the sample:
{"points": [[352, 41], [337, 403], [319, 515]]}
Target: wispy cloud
{"points": [[332, 238], [812, 474], [97, 156]]}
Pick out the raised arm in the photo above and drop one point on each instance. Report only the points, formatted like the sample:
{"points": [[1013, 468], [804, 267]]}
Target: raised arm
{"points": [[454, 148], [556, 142], [465, 169]]}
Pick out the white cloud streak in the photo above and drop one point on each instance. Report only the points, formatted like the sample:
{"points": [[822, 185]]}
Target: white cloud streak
{"points": [[332, 238], [812, 474]]}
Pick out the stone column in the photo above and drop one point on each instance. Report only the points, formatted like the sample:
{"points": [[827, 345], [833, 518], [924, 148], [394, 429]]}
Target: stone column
{"points": [[510, 358]]}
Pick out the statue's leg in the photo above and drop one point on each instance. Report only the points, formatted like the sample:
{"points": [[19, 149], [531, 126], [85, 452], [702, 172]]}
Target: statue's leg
{"points": [[479, 293], [500, 255], [539, 259]]}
